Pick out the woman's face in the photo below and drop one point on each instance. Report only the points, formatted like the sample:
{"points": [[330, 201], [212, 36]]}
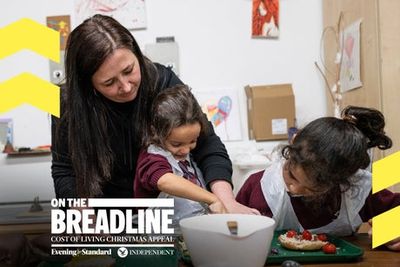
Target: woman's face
{"points": [[296, 180], [118, 78], [182, 140]]}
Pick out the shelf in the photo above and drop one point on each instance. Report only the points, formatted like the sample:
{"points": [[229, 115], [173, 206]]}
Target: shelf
{"points": [[29, 153]]}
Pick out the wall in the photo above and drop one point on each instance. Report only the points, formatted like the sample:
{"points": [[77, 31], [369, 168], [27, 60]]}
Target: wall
{"points": [[215, 51]]}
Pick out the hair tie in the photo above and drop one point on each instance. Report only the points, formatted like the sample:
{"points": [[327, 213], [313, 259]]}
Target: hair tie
{"points": [[350, 119]]}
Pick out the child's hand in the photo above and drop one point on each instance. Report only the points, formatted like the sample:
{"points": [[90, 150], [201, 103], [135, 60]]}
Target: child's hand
{"points": [[394, 244], [217, 207]]}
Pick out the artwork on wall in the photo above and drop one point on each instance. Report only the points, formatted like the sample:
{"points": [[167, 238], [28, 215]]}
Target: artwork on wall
{"points": [[350, 68], [61, 24], [345, 75], [222, 109], [265, 19], [130, 13]]}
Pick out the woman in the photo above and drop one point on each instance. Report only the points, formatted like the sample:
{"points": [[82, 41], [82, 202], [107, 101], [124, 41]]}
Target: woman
{"points": [[106, 104]]}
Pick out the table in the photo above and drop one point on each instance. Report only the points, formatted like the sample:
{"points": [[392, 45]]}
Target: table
{"points": [[380, 257]]}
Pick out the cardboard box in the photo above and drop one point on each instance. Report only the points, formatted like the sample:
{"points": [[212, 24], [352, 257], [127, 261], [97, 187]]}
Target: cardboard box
{"points": [[270, 111]]}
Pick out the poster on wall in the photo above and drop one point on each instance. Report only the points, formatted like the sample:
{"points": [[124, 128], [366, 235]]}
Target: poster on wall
{"points": [[222, 109], [61, 24], [350, 67], [130, 13], [265, 19]]}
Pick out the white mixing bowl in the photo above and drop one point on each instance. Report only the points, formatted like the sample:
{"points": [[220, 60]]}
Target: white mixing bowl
{"points": [[212, 244]]}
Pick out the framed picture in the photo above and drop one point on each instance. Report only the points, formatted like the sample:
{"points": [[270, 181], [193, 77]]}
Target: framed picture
{"points": [[130, 13], [350, 77], [265, 19]]}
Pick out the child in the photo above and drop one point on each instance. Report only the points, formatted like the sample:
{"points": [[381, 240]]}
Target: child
{"points": [[320, 183], [166, 166]]}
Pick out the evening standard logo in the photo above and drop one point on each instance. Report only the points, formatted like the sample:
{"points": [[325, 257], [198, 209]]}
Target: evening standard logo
{"points": [[111, 226]]}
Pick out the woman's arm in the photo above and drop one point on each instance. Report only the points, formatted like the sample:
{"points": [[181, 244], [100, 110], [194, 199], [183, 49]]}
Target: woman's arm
{"points": [[223, 191], [213, 159]]}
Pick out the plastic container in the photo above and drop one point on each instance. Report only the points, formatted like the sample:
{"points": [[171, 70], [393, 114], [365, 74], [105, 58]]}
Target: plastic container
{"points": [[212, 244]]}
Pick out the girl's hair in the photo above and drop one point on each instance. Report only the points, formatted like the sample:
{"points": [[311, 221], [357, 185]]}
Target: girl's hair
{"points": [[85, 110], [331, 150], [174, 107]]}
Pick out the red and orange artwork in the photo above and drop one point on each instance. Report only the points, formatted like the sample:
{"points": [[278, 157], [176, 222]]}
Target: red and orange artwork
{"points": [[265, 18], [62, 25]]}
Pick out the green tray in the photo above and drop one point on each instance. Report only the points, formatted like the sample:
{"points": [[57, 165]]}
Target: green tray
{"points": [[345, 252]]}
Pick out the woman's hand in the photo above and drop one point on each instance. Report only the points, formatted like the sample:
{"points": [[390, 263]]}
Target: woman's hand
{"points": [[223, 190], [217, 207], [232, 206]]}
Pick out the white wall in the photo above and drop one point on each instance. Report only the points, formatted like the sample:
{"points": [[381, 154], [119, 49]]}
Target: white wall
{"points": [[216, 50]]}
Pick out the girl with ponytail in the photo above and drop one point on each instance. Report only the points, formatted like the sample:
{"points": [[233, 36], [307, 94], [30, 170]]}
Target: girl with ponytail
{"points": [[321, 183]]}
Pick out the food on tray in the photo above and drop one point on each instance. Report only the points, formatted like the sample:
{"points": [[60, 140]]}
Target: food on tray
{"points": [[304, 241], [329, 248]]}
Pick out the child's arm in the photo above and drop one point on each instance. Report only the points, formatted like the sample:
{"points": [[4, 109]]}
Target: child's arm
{"points": [[380, 202], [178, 186]]}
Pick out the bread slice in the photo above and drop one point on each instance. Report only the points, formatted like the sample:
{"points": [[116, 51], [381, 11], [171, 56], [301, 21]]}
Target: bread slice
{"points": [[296, 243]]}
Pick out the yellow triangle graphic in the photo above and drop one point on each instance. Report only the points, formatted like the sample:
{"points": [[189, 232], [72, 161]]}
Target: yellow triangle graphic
{"points": [[30, 89], [28, 34]]}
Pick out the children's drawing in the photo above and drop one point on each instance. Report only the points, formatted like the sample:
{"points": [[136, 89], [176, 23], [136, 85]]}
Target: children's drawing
{"points": [[350, 68], [130, 13], [222, 109], [218, 113]]}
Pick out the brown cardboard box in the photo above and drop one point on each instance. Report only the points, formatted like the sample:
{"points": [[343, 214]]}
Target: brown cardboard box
{"points": [[270, 111]]}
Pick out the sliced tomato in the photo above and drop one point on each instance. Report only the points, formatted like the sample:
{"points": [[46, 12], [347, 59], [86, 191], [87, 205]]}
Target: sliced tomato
{"points": [[307, 235], [322, 237], [329, 248], [291, 233]]}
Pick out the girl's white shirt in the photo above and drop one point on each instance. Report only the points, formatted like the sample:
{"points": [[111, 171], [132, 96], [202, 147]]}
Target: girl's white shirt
{"points": [[183, 208], [348, 220]]}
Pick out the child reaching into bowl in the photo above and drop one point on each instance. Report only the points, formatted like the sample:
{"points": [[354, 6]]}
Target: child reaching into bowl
{"points": [[165, 168], [320, 182]]}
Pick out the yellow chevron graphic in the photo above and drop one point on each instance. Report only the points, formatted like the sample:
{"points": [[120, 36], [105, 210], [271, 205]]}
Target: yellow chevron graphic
{"points": [[28, 34], [385, 173], [385, 227], [28, 88]]}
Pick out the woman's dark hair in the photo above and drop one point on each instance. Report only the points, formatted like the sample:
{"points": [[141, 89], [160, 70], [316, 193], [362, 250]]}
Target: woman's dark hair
{"points": [[331, 150], [85, 111], [174, 107]]}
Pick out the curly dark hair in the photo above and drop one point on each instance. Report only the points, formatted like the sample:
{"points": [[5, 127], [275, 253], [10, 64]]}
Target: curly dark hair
{"points": [[331, 150]]}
